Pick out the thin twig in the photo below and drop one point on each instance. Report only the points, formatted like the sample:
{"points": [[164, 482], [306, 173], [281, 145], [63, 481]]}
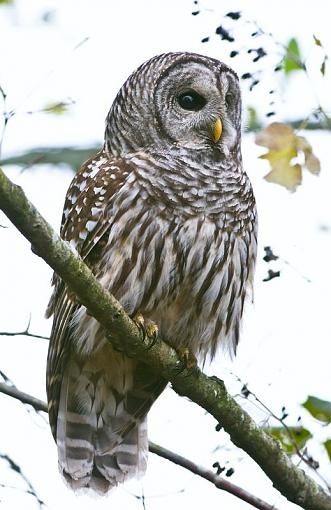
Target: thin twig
{"points": [[303, 455], [15, 467], [25, 332], [25, 398], [5, 117], [218, 481]]}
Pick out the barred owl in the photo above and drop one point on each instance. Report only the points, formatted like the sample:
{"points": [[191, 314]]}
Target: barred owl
{"points": [[165, 217]]}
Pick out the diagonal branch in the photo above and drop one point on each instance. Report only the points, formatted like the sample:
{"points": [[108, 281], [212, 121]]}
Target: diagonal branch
{"points": [[208, 392], [16, 468], [218, 481], [12, 391], [208, 475]]}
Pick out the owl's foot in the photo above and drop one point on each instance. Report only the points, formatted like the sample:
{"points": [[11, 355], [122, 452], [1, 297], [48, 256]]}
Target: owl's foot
{"points": [[187, 357], [148, 328]]}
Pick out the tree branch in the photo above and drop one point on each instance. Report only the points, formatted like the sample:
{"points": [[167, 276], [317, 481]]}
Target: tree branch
{"points": [[208, 392], [16, 468], [218, 481], [25, 398], [208, 475], [25, 332]]}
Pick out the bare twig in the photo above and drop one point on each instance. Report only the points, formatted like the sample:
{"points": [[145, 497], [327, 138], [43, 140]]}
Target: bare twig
{"points": [[6, 378], [208, 475], [5, 117], [25, 332], [15, 467], [25, 398], [208, 392]]}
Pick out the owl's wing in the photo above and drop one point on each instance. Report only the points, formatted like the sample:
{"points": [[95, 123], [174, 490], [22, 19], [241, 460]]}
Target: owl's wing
{"points": [[85, 221]]}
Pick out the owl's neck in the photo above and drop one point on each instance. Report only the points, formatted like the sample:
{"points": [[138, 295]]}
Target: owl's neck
{"points": [[189, 182]]}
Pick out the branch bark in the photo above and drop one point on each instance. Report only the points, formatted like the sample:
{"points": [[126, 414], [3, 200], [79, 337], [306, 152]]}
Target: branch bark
{"points": [[208, 475], [208, 392]]}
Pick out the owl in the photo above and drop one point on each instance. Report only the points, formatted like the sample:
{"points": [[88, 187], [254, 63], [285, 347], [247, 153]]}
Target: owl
{"points": [[165, 217]]}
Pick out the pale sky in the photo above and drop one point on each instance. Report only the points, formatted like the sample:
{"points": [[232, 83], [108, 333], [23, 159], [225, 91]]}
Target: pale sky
{"points": [[285, 347]]}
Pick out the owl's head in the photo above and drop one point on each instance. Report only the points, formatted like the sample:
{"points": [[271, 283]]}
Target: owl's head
{"points": [[179, 100]]}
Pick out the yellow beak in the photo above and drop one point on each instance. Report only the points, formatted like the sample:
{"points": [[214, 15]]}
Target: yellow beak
{"points": [[218, 128]]}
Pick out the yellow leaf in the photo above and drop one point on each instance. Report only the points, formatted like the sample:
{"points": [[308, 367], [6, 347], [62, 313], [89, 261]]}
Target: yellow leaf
{"points": [[284, 155], [303, 144], [284, 147], [289, 176], [276, 136], [312, 163]]}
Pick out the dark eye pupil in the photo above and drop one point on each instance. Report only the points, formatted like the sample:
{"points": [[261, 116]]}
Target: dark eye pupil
{"points": [[191, 101]]}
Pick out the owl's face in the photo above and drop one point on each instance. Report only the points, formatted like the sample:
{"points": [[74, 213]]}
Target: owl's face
{"points": [[189, 99], [175, 100]]}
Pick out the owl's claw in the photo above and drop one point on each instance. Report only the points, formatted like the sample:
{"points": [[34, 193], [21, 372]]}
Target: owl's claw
{"points": [[139, 321], [152, 332], [148, 328], [187, 357]]}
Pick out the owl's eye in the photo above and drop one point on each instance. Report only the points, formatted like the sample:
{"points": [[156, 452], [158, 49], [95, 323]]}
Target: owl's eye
{"points": [[191, 100]]}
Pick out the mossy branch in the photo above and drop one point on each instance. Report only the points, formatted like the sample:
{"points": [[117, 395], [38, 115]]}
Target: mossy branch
{"points": [[208, 392]]}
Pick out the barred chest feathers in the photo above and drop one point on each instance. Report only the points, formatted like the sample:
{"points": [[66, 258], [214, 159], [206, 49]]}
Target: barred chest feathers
{"points": [[179, 252]]}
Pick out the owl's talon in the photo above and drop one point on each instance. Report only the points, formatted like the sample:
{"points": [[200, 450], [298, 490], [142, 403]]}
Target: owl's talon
{"points": [[187, 357], [148, 328], [139, 321], [152, 332]]}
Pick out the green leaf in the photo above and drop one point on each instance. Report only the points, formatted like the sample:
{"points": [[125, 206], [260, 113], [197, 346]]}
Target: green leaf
{"points": [[6, 2], [292, 60], [291, 438], [319, 409], [56, 108], [327, 446], [253, 123], [317, 41]]}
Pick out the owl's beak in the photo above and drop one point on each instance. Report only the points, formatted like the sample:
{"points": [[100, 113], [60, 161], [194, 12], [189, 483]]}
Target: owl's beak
{"points": [[218, 128]]}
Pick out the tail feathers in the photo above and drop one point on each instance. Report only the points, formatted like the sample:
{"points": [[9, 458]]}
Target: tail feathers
{"points": [[99, 443], [127, 459], [84, 467]]}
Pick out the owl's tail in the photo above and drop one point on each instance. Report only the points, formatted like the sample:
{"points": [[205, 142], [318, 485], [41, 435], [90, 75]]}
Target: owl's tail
{"points": [[102, 427]]}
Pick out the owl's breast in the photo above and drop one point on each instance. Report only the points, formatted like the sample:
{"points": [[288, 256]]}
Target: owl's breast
{"points": [[189, 275]]}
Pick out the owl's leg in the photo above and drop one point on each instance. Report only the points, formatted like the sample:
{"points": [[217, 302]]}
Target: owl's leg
{"points": [[148, 328]]}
